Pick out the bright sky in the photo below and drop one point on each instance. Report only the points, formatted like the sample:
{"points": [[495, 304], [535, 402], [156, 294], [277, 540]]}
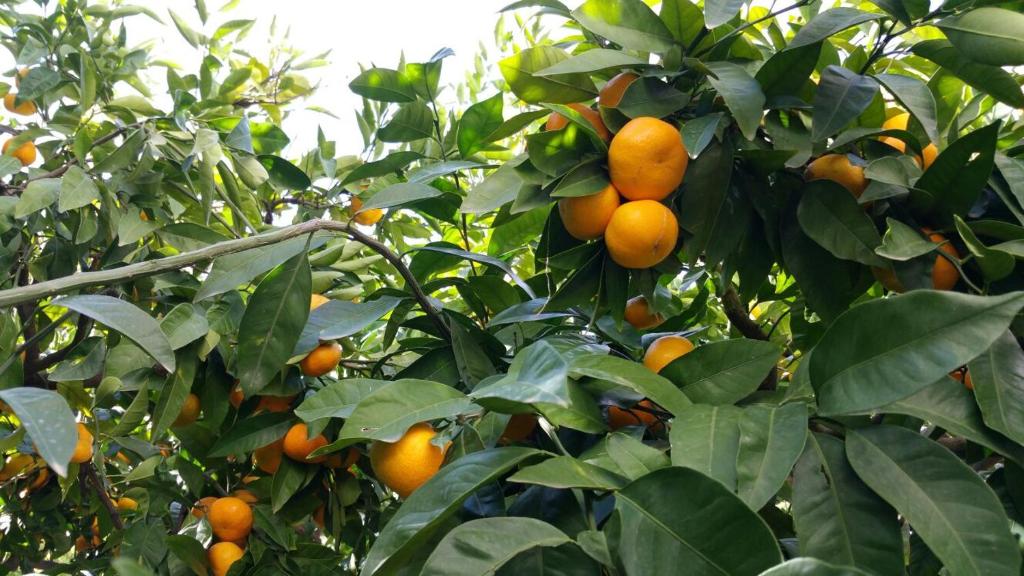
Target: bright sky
{"points": [[356, 31]]}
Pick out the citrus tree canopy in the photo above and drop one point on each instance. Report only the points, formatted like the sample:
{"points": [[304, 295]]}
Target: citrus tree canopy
{"points": [[718, 288]]}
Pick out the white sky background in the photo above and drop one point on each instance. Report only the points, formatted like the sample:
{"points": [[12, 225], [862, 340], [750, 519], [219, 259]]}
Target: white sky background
{"points": [[356, 31]]}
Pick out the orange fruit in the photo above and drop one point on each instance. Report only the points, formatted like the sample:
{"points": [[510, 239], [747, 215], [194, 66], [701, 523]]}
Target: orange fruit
{"points": [[964, 377], [519, 428], [317, 300], [298, 444], [321, 360], [189, 411], [237, 396], [246, 496], [647, 159], [586, 217], [22, 72], [26, 153], [557, 121], [126, 504], [639, 315], [83, 448], [839, 169], [268, 458], [222, 555], [641, 234], [407, 464], [26, 108], [897, 122], [612, 91], [16, 465], [930, 153], [664, 350], [944, 273], [275, 403], [230, 518], [202, 506], [40, 480], [336, 461], [622, 417], [367, 217], [318, 516], [81, 544]]}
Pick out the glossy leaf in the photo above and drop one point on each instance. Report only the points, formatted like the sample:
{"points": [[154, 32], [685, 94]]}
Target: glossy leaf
{"points": [[233, 270], [998, 378], [989, 35], [629, 23], [47, 418], [127, 319], [771, 440], [723, 372], [518, 70], [480, 547], [829, 23], [830, 215], [388, 411], [707, 439], [990, 79], [252, 433], [633, 376], [338, 319], [812, 567], [400, 195], [742, 94], [842, 96], [568, 472]]}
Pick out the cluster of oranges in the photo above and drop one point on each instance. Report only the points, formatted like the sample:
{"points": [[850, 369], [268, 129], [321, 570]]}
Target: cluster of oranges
{"points": [[25, 152], [838, 168], [646, 163]]}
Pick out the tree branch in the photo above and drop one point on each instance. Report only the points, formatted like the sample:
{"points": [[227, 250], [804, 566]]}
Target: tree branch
{"points": [[36, 292], [738, 315], [90, 471]]}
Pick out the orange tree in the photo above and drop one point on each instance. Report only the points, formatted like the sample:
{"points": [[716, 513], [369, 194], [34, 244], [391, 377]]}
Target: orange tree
{"points": [[731, 290]]}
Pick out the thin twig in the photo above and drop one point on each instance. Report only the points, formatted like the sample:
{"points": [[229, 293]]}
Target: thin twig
{"points": [[101, 491], [738, 315]]}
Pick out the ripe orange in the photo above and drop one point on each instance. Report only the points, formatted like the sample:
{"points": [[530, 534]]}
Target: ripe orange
{"points": [[237, 397], [26, 153], [612, 91], [641, 234], [16, 465], [900, 122], [838, 168], [336, 461], [298, 444], [189, 411], [557, 121], [202, 506], [586, 217], [230, 518], [26, 108], [647, 159], [126, 504], [222, 555], [40, 479], [317, 300], [519, 428], [407, 464], [930, 153], [664, 350], [368, 217], [268, 458], [622, 417], [638, 313], [275, 403], [944, 273], [83, 448], [321, 360]]}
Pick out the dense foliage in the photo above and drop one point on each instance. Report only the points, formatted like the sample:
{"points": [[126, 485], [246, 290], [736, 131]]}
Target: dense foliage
{"points": [[702, 288]]}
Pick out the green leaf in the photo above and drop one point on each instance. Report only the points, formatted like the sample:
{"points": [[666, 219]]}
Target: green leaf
{"points": [[428, 508], [283, 173], [175, 390], [661, 532], [960, 172], [131, 228], [723, 372], [995, 264], [831, 216], [400, 194], [413, 121], [990, 79], [786, 72], [251, 433], [593, 61], [742, 94], [338, 319], [387, 412], [698, 133], [710, 208], [651, 97], [47, 418], [39, 82], [902, 243], [480, 547], [389, 164], [478, 122], [989, 35], [998, 378], [842, 96], [499, 188], [77, 190], [191, 36], [718, 12], [291, 476], [518, 70], [184, 324], [38, 194], [516, 123], [538, 374], [485, 260], [829, 23], [233, 270], [127, 319], [707, 439], [771, 440], [383, 85], [585, 180], [884, 350], [188, 550], [633, 376], [567, 472], [813, 567], [628, 23], [837, 517], [915, 96], [337, 399], [943, 499], [273, 320], [634, 458]]}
